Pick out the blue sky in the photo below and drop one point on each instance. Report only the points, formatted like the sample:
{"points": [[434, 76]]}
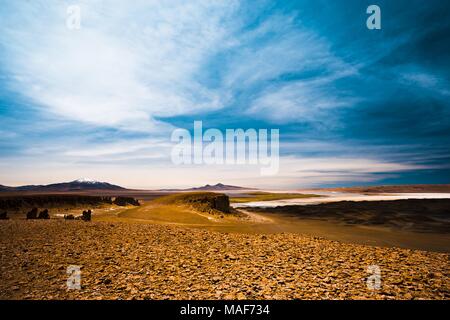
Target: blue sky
{"points": [[354, 106]]}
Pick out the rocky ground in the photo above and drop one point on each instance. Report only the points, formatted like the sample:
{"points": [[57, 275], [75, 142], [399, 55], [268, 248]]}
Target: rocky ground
{"points": [[142, 261]]}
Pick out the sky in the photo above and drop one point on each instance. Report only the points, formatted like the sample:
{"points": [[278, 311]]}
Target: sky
{"points": [[353, 106]]}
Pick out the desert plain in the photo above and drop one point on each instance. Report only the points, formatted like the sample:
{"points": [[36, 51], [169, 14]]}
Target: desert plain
{"points": [[196, 245]]}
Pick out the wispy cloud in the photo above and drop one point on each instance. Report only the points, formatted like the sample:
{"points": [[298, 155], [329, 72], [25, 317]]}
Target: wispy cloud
{"points": [[310, 101], [128, 64], [132, 63]]}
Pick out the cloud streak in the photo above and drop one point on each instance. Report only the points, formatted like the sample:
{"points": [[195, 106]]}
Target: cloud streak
{"points": [[123, 68]]}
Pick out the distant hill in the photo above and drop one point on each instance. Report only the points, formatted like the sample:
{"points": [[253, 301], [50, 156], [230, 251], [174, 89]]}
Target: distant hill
{"points": [[4, 188], [76, 185], [208, 187], [412, 188], [217, 187]]}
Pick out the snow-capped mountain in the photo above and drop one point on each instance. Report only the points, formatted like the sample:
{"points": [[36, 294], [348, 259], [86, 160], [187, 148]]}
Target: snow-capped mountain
{"points": [[76, 185], [87, 180]]}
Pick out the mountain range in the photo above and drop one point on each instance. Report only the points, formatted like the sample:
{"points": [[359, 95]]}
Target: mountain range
{"points": [[76, 185], [208, 187], [217, 187], [88, 184]]}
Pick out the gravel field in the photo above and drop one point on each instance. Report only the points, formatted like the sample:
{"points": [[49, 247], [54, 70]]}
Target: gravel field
{"points": [[143, 261]]}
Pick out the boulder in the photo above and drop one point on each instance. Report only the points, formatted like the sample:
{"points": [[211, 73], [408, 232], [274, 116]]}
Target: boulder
{"points": [[86, 215], [69, 217], [44, 214], [32, 214]]}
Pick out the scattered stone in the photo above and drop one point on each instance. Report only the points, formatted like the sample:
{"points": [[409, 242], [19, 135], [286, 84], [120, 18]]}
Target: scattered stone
{"points": [[44, 214], [32, 214], [230, 257], [86, 215], [145, 261]]}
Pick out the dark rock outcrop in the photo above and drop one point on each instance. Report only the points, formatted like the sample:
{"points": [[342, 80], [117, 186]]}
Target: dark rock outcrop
{"points": [[32, 214], [123, 201], [44, 214], [221, 202], [49, 201], [4, 216], [203, 201], [86, 215]]}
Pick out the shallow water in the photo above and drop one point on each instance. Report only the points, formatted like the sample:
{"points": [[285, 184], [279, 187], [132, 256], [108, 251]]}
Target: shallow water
{"points": [[330, 196]]}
